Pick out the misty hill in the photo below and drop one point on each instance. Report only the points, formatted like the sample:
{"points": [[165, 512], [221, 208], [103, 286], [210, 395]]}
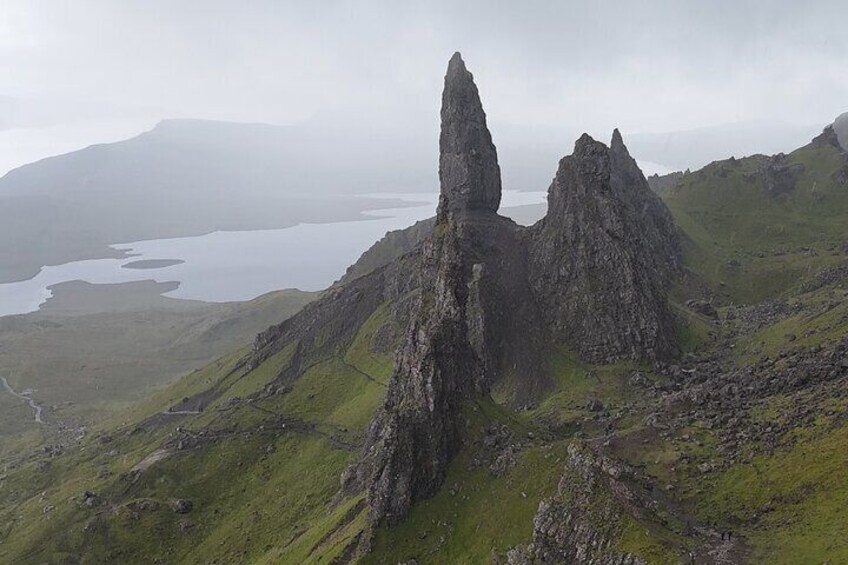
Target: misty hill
{"points": [[692, 149], [185, 178]]}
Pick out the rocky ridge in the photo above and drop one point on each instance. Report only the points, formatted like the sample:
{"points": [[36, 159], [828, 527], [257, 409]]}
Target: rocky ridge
{"points": [[494, 296]]}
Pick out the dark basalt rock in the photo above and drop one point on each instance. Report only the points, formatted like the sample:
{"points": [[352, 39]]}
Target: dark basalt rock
{"points": [[471, 323], [472, 309], [597, 267], [469, 174], [391, 247], [826, 138], [603, 256]]}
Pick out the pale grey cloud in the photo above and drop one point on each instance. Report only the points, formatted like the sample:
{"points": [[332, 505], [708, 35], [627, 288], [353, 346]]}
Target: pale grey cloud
{"points": [[578, 65]]}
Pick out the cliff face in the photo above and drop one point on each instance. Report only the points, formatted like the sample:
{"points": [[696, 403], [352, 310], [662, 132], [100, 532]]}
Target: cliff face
{"points": [[472, 270], [495, 296], [603, 256], [469, 174]]}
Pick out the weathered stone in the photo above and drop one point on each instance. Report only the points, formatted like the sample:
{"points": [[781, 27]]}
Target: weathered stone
{"points": [[182, 506], [583, 523], [481, 298], [603, 256], [472, 310], [703, 307], [468, 164]]}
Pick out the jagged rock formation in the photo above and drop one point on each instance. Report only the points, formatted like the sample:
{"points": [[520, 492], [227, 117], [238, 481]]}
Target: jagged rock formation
{"points": [[584, 522], [495, 296], [835, 134], [603, 256], [472, 308], [331, 323], [469, 174], [394, 245], [827, 137], [661, 184]]}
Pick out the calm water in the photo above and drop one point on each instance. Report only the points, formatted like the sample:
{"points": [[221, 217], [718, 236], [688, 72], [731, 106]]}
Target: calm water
{"points": [[240, 265]]}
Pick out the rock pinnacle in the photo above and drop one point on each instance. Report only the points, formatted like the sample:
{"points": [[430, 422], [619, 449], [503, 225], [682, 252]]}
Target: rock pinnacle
{"points": [[469, 174]]}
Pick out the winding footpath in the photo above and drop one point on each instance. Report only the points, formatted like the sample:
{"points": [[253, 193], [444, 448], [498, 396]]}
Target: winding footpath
{"points": [[36, 409]]}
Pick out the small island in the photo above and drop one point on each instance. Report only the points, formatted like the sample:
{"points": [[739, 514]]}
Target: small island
{"points": [[153, 264]]}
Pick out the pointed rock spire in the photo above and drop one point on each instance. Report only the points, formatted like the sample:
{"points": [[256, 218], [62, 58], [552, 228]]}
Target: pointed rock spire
{"points": [[469, 174], [604, 255], [617, 144]]}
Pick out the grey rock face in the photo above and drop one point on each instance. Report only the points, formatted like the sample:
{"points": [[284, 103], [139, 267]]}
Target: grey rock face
{"points": [[471, 326], [469, 174], [472, 308], [827, 137], [417, 430], [582, 524], [597, 267], [394, 245], [603, 256]]}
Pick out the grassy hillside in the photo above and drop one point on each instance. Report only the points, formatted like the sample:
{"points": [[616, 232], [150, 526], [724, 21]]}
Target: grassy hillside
{"points": [[749, 245], [85, 364]]}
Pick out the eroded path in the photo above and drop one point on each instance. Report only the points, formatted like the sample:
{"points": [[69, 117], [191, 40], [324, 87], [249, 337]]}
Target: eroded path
{"points": [[26, 397]]}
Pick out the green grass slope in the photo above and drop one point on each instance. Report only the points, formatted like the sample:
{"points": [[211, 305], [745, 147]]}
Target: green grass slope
{"points": [[749, 245], [86, 366]]}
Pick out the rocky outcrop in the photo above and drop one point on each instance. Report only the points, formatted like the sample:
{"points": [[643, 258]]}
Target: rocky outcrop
{"points": [[472, 309], [584, 522], [469, 174], [826, 138], [603, 256], [330, 324], [661, 184], [495, 296], [780, 175], [391, 247]]}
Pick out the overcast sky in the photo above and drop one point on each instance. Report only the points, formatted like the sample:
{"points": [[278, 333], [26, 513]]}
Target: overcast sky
{"points": [[641, 66]]}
